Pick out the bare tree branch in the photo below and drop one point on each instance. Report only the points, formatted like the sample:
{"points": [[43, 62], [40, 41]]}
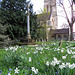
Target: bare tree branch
{"points": [[66, 14], [69, 2], [69, 20]]}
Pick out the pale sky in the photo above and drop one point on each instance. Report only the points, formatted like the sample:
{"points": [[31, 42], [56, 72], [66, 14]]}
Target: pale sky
{"points": [[39, 4]]}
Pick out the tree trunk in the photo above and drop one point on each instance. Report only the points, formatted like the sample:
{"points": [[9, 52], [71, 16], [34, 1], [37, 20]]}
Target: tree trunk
{"points": [[71, 32]]}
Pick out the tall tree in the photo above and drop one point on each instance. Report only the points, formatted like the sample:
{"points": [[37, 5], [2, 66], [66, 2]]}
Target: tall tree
{"points": [[3, 36], [70, 20], [43, 24], [15, 12]]}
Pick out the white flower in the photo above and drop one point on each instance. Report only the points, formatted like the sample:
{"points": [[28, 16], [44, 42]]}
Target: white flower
{"points": [[67, 64], [62, 51], [36, 71], [72, 66], [62, 66], [58, 49], [28, 53], [29, 59], [56, 61], [47, 63], [73, 52], [32, 68], [53, 63], [73, 56], [68, 51], [40, 52], [63, 57], [6, 49], [16, 70], [9, 73]]}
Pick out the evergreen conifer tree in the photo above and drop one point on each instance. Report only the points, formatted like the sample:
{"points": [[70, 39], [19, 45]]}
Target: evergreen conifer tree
{"points": [[3, 36]]}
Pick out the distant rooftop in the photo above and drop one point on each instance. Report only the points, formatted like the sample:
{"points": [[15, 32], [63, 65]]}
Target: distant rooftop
{"points": [[60, 31]]}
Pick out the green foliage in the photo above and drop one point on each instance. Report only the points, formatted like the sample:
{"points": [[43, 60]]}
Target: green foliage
{"points": [[19, 57], [13, 59], [15, 13], [3, 36], [42, 20]]}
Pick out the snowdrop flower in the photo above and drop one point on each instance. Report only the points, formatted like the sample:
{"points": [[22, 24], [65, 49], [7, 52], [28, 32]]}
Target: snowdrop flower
{"points": [[73, 52], [67, 64], [6, 49], [53, 43], [57, 62], [62, 66], [32, 68], [53, 63], [9, 73], [29, 59], [47, 63], [68, 51], [28, 53], [72, 66], [73, 56], [41, 49], [40, 52], [36, 71], [64, 57], [16, 70], [62, 51], [55, 59]]}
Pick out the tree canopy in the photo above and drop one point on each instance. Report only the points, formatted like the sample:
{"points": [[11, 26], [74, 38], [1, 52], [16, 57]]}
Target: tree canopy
{"points": [[15, 14]]}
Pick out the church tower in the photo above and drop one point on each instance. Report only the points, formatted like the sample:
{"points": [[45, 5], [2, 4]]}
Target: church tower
{"points": [[50, 7]]}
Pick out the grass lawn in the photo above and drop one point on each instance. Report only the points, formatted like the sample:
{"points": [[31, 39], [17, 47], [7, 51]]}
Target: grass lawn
{"points": [[47, 59]]}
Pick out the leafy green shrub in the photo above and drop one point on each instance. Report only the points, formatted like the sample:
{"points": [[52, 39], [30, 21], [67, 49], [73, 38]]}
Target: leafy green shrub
{"points": [[14, 59]]}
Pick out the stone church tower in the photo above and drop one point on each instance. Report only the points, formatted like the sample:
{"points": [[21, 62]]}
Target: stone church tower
{"points": [[50, 7]]}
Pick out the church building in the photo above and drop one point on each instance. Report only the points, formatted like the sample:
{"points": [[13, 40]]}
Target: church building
{"points": [[49, 17], [51, 8]]}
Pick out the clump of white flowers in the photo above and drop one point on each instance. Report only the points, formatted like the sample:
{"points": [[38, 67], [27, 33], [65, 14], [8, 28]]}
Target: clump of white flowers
{"points": [[55, 62], [34, 70], [12, 48], [63, 65], [73, 56]]}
